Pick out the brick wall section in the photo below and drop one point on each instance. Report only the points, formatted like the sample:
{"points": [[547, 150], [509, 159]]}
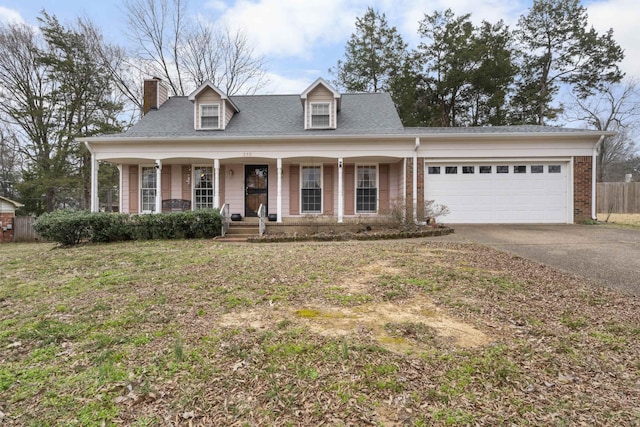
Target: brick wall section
{"points": [[409, 194], [6, 218], [150, 97], [582, 169]]}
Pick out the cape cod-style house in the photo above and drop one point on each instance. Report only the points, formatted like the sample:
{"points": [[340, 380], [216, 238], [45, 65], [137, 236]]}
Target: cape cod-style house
{"points": [[341, 156]]}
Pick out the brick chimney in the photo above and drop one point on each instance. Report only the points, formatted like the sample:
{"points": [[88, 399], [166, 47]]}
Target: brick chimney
{"points": [[156, 93]]}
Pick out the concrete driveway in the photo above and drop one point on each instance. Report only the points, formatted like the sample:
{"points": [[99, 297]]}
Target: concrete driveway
{"points": [[609, 256]]}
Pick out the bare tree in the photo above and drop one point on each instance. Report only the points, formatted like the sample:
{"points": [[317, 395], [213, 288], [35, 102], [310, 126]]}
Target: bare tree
{"points": [[616, 109], [157, 31], [244, 72], [187, 52]]}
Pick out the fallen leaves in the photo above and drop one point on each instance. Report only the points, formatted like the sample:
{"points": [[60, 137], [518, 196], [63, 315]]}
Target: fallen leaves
{"points": [[550, 348]]}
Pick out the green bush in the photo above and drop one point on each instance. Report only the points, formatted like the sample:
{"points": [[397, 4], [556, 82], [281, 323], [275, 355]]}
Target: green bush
{"points": [[73, 227], [64, 226]]}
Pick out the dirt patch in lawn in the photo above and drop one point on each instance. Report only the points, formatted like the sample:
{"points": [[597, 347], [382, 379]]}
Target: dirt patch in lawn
{"points": [[408, 325], [411, 325]]}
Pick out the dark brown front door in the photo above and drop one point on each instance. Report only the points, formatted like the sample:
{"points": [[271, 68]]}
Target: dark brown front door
{"points": [[255, 188]]}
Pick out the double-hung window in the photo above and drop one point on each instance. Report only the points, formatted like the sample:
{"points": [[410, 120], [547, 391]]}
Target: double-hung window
{"points": [[366, 189], [148, 189], [311, 189], [320, 115], [209, 116], [203, 187]]}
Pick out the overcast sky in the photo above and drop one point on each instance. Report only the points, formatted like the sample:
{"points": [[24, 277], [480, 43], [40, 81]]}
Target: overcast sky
{"points": [[301, 39]]}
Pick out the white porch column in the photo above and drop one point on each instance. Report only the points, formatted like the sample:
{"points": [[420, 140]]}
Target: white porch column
{"points": [[120, 184], [158, 186], [415, 181], [95, 206], [279, 196], [340, 191], [216, 183]]}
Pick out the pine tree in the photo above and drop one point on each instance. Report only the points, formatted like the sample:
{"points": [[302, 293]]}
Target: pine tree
{"points": [[374, 54], [557, 48]]}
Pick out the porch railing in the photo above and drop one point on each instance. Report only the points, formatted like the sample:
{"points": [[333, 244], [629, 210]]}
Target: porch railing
{"points": [[226, 218], [262, 216]]}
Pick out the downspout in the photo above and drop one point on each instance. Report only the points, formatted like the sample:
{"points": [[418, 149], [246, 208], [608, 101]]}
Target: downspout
{"points": [[594, 164], [415, 180]]}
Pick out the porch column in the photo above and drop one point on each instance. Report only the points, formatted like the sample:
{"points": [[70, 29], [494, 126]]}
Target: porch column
{"points": [[414, 175], [216, 183], [94, 184], [279, 196], [158, 186], [120, 191], [340, 191]]}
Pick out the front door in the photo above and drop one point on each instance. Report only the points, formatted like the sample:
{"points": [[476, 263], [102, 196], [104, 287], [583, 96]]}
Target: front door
{"points": [[255, 188]]}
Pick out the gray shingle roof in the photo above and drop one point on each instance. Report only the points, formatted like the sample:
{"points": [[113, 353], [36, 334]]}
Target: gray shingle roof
{"points": [[369, 113], [282, 115]]}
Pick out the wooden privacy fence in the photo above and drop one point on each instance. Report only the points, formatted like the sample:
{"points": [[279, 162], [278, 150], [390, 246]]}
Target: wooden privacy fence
{"points": [[23, 229], [618, 197]]}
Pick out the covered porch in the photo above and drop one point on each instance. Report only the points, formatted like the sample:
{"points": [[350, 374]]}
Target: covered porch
{"points": [[294, 187]]}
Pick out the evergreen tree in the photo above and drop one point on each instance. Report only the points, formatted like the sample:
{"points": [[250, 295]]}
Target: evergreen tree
{"points": [[557, 48], [55, 89], [374, 55], [468, 70]]}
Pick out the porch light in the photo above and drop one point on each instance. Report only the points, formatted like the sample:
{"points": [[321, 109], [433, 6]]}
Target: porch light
{"points": [[230, 172]]}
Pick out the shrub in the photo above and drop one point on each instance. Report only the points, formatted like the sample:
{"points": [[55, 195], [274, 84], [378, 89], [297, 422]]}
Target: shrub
{"points": [[64, 226], [73, 227]]}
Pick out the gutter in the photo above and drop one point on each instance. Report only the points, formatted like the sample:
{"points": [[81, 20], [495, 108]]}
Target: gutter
{"points": [[596, 151], [490, 136]]}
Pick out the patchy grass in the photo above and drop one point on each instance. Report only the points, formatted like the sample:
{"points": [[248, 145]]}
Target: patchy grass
{"points": [[347, 333]]}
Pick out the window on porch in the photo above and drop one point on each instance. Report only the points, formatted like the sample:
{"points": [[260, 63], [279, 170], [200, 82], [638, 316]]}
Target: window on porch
{"points": [[367, 189], [148, 189], [311, 189], [203, 187]]}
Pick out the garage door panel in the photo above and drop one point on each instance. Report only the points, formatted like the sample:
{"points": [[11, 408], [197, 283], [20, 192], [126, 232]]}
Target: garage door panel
{"points": [[501, 198]]}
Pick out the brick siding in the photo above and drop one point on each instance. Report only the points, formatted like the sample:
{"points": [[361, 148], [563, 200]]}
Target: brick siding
{"points": [[6, 218], [582, 172], [150, 98]]}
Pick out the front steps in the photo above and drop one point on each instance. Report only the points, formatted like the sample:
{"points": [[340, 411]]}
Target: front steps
{"points": [[239, 231]]}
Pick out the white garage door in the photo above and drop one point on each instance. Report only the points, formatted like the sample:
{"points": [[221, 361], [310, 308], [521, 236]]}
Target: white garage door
{"points": [[499, 192]]}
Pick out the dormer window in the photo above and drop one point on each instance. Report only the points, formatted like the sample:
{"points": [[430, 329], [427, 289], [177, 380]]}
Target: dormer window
{"points": [[320, 115], [209, 116]]}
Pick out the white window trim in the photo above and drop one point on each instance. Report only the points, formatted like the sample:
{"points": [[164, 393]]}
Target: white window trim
{"points": [[355, 188], [150, 165], [328, 104], [193, 181], [321, 189], [199, 118]]}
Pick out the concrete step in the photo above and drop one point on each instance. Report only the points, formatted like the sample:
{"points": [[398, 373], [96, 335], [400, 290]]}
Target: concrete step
{"points": [[232, 239], [239, 231], [248, 231]]}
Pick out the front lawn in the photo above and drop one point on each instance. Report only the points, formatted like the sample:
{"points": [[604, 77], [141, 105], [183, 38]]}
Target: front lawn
{"points": [[408, 332]]}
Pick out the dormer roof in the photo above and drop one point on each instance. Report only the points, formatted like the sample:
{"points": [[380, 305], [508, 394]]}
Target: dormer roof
{"points": [[322, 82], [209, 85]]}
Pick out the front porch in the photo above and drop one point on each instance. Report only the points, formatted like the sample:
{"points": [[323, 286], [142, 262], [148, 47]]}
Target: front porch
{"points": [[315, 190]]}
